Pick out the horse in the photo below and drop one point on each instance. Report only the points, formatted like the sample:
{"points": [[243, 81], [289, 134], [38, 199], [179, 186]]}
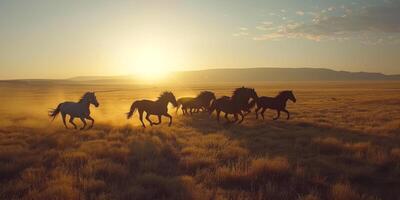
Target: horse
{"points": [[158, 107], [205, 98], [202, 101], [76, 110], [277, 103], [235, 104], [183, 102]]}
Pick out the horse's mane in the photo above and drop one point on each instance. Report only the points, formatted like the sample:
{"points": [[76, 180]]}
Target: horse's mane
{"points": [[205, 94], [283, 93], [162, 95], [239, 91], [84, 96]]}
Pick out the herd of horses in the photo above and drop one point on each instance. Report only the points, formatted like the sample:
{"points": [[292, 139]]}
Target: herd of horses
{"points": [[239, 104]]}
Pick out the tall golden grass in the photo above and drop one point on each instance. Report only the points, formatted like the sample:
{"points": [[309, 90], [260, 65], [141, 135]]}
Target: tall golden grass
{"points": [[342, 143]]}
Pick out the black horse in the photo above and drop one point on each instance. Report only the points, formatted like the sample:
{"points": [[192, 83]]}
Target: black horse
{"points": [[194, 104], [277, 103], [158, 107], [235, 104]]}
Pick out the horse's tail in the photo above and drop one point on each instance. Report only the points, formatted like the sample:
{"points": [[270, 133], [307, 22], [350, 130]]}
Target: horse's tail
{"points": [[132, 110], [54, 112]]}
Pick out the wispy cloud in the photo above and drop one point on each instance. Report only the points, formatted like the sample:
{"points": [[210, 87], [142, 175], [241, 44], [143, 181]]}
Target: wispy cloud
{"points": [[242, 31], [377, 23]]}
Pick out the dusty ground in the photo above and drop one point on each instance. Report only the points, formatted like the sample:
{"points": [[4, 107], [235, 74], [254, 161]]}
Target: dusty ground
{"points": [[342, 143]]}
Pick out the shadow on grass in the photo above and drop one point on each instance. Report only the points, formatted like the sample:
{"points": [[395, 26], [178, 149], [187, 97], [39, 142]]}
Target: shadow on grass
{"points": [[334, 153]]}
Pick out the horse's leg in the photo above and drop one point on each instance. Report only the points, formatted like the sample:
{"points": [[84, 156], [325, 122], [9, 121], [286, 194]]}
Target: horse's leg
{"points": [[279, 114], [236, 118], [256, 111], [241, 114], [141, 118], [91, 119], [218, 113], [262, 112], [191, 111], [159, 120], [170, 118], [287, 112], [148, 119], [71, 120], [226, 117], [84, 123], [63, 115]]}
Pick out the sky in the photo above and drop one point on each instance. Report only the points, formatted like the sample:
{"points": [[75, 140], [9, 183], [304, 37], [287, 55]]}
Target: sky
{"points": [[61, 39]]}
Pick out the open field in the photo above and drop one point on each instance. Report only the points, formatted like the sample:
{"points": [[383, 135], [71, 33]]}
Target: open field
{"points": [[343, 142]]}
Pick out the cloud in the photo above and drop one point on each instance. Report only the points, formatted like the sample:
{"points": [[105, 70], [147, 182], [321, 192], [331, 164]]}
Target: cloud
{"points": [[374, 19], [265, 26], [238, 34], [372, 22], [301, 13], [242, 32]]}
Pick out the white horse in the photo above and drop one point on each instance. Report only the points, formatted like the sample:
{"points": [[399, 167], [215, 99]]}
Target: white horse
{"points": [[76, 110]]}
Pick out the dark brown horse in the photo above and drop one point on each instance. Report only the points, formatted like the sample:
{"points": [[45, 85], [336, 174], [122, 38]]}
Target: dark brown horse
{"points": [[182, 102], [194, 104], [235, 104], [277, 103], [158, 107], [205, 98]]}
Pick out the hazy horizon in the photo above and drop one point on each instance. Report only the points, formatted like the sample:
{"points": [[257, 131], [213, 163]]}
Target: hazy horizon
{"points": [[61, 39], [249, 73]]}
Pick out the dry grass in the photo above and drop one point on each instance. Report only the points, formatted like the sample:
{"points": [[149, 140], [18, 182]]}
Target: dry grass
{"points": [[341, 144]]}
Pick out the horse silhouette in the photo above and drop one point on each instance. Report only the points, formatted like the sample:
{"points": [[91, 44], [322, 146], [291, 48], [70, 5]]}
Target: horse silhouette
{"points": [[205, 98], [235, 104], [277, 103], [183, 102], [76, 110], [158, 107], [194, 104]]}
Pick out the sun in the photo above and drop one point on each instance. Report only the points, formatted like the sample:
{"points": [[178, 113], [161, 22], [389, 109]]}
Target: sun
{"points": [[151, 64]]}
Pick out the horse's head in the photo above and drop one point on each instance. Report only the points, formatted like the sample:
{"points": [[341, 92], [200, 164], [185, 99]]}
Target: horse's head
{"points": [[288, 94], [169, 97], [253, 94], [90, 98], [291, 96], [93, 99], [213, 97]]}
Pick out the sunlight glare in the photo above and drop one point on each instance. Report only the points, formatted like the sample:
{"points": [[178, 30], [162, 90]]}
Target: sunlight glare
{"points": [[151, 64]]}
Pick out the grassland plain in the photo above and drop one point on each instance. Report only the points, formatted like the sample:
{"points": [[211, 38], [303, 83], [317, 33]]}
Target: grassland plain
{"points": [[342, 143]]}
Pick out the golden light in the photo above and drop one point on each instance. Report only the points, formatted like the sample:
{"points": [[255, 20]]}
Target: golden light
{"points": [[151, 63], [147, 59]]}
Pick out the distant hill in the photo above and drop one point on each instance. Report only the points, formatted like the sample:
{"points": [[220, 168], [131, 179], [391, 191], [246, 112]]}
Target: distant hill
{"points": [[279, 74], [238, 75]]}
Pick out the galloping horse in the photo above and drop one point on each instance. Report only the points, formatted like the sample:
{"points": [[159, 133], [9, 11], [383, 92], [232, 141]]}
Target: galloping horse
{"points": [[158, 107], [76, 110], [235, 104], [183, 102], [277, 103], [202, 101], [205, 98]]}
